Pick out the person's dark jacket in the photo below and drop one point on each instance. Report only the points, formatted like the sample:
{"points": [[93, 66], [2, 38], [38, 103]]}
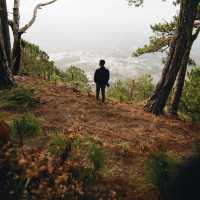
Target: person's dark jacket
{"points": [[102, 76]]}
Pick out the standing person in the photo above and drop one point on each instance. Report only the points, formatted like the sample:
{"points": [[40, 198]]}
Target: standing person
{"points": [[101, 78]]}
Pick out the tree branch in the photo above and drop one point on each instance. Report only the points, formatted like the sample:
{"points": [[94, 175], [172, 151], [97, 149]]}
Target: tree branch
{"points": [[39, 6], [195, 35], [10, 23]]}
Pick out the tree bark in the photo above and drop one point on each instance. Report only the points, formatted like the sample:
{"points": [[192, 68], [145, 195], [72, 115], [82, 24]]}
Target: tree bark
{"points": [[178, 48], [173, 109], [5, 29], [6, 78], [16, 51], [16, 54]]}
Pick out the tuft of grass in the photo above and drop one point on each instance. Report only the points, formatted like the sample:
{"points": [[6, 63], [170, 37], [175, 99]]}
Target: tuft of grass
{"points": [[96, 155], [125, 146], [20, 98], [26, 126], [58, 145]]}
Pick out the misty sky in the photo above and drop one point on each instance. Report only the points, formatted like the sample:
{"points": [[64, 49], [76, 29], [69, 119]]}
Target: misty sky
{"points": [[92, 24]]}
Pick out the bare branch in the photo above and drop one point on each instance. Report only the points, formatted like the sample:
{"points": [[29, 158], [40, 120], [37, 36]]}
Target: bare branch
{"points": [[39, 6], [10, 23], [196, 34]]}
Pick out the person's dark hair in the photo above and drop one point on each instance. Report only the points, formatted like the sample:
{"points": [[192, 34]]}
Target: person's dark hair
{"points": [[102, 62]]}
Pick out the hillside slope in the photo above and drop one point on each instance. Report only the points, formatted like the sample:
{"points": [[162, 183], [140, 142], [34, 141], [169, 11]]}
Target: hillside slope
{"points": [[116, 125]]}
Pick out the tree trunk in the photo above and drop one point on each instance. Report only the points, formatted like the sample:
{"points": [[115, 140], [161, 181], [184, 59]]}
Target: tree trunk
{"points": [[173, 109], [6, 78], [16, 53], [5, 29], [178, 48]]}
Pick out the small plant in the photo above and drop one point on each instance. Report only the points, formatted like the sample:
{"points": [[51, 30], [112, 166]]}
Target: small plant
{"points": [[159, 168], [125, 147], [96, 155], [21, 98], [77, 78], [59, 144], [26, 126]]}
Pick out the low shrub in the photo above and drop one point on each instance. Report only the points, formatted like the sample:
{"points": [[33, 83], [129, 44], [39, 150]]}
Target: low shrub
{"points": [[136, 91], [96, 155], [77, 78], [125, 146], [59, 144], [20, 98], [159, 169], [26, 126]]}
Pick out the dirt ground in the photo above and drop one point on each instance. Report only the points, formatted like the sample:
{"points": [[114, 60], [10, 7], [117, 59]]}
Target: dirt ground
{"points": [[118, 126]]}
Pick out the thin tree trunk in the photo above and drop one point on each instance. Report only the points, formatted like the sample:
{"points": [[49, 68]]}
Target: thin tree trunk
{"points": [[16, 53], [173, 109], [178, 49], [6, 78]]}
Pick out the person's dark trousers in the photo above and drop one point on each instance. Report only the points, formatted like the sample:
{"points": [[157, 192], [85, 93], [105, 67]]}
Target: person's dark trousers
{"points": [[101, 88]]}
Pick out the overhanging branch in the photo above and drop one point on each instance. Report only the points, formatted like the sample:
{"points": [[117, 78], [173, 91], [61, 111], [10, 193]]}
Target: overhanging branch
{"points": [[39, 6]]}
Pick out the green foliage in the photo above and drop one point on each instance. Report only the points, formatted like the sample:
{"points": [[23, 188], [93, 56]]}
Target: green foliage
{"points": [[96, 156], [133, 91], [119, 91], [190, 102], [27, 126], [125, 147], [160, 41], [58, 145], [37, 62], [144, 87], [20, 98], [159, 169], [77, 78]]}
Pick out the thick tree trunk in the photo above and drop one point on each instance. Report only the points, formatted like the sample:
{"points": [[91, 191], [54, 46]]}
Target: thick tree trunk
{"points": [[5, 29], [6, 78], [173, 109], [178, 49]]}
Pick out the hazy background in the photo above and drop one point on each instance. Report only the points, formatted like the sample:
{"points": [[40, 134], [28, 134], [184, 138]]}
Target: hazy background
{"points": [[92, 24], [81, 32]]}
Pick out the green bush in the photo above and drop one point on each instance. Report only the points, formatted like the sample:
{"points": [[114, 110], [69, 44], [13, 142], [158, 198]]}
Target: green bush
{"points": [[190, 101], [137, 90], [96, 155], [20, 98], [77, 78], [119, 91], [58, 145], [143, 88], [37, 62], [27, 126], [159, 169]]}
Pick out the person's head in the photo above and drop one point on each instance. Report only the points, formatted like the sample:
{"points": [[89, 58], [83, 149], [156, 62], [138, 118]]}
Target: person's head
{"points": [[102, 63]]}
